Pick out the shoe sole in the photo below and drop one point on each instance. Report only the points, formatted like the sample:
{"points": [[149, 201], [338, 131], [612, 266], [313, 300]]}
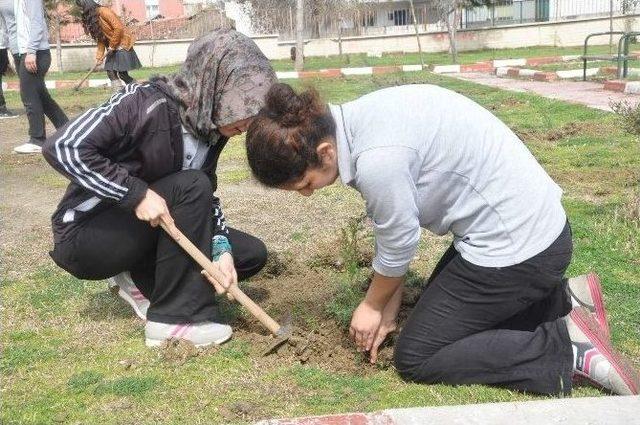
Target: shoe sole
{"points": [[115, 289], [595, 289], [27, 153], [152, 343], [591, 328]]}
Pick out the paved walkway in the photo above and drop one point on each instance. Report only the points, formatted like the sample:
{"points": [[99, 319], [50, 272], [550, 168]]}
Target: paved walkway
{"points": [[566, 411], [587, 93]]}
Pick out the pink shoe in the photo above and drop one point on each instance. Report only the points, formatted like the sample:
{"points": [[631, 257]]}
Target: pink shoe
{"points": [[123, 285], [586, 291], [595, 360]]}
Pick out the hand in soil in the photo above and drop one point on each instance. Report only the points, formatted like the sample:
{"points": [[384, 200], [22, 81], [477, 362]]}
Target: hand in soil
{"points": [[384, 330], [364, 326]]}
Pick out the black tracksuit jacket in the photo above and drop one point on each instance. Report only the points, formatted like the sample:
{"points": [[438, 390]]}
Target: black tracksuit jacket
{"points": [[112, 152]]}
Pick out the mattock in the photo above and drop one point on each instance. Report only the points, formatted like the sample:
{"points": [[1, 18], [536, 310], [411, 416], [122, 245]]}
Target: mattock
{"points": [[213, 274]]}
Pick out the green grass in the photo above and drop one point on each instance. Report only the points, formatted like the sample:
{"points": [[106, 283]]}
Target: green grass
{"points": [[64, 341]]}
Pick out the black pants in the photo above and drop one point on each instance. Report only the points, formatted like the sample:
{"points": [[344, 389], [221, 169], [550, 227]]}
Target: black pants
{"points": [[120, 75], [36, 98], [499, 326], [4, 64], [116, 240]]}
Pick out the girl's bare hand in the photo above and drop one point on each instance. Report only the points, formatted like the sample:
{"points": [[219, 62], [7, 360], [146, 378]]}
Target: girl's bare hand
{"points": [[153, 209]]}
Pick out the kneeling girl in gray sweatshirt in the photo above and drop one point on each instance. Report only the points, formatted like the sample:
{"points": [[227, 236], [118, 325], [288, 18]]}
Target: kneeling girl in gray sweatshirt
{"points": [[493, 311]]}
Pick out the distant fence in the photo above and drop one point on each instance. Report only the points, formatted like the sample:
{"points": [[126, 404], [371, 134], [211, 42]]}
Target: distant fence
{"points": [[508, 12]]}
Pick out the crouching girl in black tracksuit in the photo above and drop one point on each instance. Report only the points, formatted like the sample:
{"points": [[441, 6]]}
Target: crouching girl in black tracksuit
{"points": [[148, 155]]}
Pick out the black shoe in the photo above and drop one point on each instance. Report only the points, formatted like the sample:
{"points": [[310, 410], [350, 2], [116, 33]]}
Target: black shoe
{"points": [[5, 113]]}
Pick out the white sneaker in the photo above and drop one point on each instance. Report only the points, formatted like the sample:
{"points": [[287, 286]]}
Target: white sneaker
{"points": [[123, 285], [200, 334], [27, 148]]}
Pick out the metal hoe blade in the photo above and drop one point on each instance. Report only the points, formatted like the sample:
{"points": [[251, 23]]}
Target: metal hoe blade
{"points": [[282, 336]]}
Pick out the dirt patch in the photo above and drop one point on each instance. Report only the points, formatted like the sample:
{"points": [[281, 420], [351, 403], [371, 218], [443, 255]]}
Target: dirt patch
{"points": [[316, 338], [567, 130], [245, 410]]}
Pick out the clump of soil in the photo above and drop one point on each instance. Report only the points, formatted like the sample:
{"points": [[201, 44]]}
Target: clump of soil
{"points": [[179, 351]]}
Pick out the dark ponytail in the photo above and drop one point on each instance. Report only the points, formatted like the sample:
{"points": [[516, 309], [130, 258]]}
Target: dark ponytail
{"points": [[90, 20], [282, 139]]}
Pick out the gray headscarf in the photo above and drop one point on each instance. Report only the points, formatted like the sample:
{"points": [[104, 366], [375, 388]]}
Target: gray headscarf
{"points": [[223, 80]]}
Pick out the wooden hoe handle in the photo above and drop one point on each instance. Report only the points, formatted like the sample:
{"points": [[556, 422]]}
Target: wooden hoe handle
{"points": [[213, 271], [86, 76]]}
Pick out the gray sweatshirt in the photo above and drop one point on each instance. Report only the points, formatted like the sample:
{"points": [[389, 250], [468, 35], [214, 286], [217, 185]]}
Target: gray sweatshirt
{"points": [[4, 36], [26, 25], [426, 157]]}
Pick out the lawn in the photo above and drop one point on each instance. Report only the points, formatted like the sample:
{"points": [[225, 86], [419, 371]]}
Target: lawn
{"points": [[362, 60], [71, 352]]}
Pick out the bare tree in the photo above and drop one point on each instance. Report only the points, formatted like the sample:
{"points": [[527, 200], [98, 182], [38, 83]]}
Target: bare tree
{"points": [[321, 17], [415, 27], [299, 35], [59, 14], [449, 12]]}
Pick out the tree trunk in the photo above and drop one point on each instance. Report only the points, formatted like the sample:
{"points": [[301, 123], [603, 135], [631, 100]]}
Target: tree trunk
{"points": [[59, 43], [290, 21], [415, 27], [611, 27], [153, 46], [451, 29], [299, 35]]}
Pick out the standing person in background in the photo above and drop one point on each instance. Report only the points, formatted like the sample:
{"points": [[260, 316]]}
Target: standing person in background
{"points": [[29, 44], [104, 26], [4, 65]]}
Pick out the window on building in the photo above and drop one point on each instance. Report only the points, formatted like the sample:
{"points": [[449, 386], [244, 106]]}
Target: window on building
{"points": [[368, 18], [399, 17], [153, 10]]}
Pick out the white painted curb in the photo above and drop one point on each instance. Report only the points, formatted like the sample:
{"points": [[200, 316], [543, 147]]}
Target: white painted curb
{"points": [[632, 87], [509, 62], [502, 72], [287, 75], [527, 73], [446, 69], [411, 68], [357, 71], [577, 73], [99, 83]]}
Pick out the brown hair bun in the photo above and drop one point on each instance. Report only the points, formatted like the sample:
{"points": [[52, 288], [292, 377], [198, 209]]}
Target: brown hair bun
{"points": [[290, 109]]}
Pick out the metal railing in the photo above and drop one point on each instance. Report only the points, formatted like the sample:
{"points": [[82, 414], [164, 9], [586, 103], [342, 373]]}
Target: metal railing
{"points": [[507, 12], [621, 58]]}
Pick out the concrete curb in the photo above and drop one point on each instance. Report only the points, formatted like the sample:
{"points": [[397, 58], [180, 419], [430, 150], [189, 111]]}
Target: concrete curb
{"points": [[628, 87], [565, 411], [544, 76], [485, 66]]}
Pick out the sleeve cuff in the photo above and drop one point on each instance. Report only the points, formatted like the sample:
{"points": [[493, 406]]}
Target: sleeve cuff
{"points": [[137, 190], [30, 52], [219, 245], [389, 271]]}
